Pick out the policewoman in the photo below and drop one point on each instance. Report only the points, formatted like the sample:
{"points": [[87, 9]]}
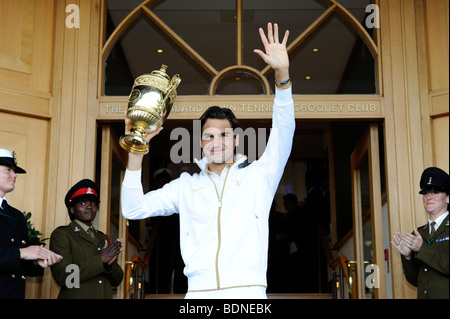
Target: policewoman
{"points": [[89, 269], [18, 259], [425, 252]]}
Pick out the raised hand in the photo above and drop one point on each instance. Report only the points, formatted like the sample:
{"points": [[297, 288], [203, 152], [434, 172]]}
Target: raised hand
{"points": [[148, 137], [135, 160], [275, 54]]}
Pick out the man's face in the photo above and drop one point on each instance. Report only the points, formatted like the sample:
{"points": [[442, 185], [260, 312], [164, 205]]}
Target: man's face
{"points": [[218, 141], [7, 179], [435, 202], [85, 210]]}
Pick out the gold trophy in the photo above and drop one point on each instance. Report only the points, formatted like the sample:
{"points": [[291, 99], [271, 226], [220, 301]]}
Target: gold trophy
{"points": [[149, 104]]}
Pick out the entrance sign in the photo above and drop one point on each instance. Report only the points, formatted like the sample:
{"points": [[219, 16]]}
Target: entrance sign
{"points": [[191, 107]]}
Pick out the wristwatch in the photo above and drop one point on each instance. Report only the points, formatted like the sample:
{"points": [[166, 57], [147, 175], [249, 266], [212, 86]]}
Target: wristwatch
{"points": [[281, 84]]}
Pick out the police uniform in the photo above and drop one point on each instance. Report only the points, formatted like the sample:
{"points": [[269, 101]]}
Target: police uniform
{"points": [[13, 236], [81, 273], [428, 268]]}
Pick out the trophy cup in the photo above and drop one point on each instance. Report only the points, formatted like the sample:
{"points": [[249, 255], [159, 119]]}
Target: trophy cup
{"points": [[149, 104]]}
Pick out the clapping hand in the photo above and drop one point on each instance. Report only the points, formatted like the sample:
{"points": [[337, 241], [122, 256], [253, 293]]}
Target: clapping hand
{"points": [[109, 253], [41, 255], [401, 245]]}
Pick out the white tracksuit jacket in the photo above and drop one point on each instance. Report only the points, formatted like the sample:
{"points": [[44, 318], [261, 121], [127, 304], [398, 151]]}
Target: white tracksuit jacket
{"points": [[223, 228]]}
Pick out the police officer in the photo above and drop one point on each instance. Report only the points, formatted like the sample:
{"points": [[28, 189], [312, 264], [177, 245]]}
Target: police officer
{"points": [[18, 258], [89, 269], [425, 252]]}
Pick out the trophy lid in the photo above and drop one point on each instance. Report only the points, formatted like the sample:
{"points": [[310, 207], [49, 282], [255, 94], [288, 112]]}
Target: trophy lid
{"points": [[157, 78], [161, 72]]}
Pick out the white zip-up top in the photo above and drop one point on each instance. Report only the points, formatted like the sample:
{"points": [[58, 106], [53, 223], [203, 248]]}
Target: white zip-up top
{"points": [[223, 228]]}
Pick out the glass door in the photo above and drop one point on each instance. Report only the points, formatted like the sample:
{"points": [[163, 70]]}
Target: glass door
{"points": [[367, 217], [112, 167]]}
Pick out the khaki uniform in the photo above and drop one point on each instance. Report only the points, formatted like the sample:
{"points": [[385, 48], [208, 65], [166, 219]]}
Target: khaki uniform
{"points": [[81, 249], [428, 269]]}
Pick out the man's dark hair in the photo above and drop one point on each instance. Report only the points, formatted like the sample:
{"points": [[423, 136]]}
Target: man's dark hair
{"points": [[219, 113], [291, 198]]}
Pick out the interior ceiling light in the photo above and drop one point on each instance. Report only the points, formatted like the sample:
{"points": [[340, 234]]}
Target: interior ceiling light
{"points": [[315, 50], [308, 77], [160, 50]]}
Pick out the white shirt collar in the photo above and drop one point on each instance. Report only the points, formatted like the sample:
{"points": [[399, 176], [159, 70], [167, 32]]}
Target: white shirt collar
{"points": [[438, 221], [2, 199]]}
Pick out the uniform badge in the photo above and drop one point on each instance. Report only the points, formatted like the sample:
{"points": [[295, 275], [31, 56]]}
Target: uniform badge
{"points": [[430, 180], [14, 157], [443, 239]]}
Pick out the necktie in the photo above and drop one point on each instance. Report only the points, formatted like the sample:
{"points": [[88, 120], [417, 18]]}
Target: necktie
{"points": [[432, 229], [91, 232]]}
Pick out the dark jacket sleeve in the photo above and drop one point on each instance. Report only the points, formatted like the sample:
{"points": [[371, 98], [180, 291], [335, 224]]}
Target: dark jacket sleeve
{"points": [[411, 269]]}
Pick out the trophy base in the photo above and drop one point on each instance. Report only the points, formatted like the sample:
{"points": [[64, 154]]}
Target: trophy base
{"points": [[134, 144]]}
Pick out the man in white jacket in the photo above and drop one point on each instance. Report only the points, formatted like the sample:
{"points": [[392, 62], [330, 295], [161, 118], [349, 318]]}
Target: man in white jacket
{"points": [[224, 209]]}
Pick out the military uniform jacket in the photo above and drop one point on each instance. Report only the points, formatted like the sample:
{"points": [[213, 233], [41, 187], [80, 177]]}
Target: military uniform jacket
{"points": [[428, 269], [13, 270], [81, 256]]}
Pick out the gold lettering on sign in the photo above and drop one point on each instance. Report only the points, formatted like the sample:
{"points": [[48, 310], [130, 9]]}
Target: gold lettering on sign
{"points": [[115, 108], [321, 108], [253, 108], [187, 108], [336, 108]]}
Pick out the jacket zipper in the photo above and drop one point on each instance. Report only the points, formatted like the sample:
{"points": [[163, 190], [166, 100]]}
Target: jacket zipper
{"points": [[219, 234]]}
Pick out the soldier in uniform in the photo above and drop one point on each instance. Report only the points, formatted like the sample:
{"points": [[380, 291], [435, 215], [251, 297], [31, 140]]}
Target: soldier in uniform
{"points": [[425, 252], [89, 269], [18, 258]]}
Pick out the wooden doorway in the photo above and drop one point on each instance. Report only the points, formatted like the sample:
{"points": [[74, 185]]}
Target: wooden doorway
{"points": [[367, 217]]}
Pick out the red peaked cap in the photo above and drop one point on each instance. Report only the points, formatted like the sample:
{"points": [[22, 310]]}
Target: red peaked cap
{"points": [[84, 189]]}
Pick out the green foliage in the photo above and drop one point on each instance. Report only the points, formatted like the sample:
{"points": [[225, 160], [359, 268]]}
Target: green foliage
{"points": [[34, 235]]}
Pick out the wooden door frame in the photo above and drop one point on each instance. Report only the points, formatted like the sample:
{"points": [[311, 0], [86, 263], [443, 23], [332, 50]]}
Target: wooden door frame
{"points": [[368, 148]]}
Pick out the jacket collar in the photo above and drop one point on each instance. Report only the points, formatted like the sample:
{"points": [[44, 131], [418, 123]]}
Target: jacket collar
{"points": [[76, 227], [239, 162], [439, 230], [442, 227]]}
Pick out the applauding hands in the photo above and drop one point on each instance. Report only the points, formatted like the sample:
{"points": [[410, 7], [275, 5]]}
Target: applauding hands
{"points": [[43, 256], [406, 243]]}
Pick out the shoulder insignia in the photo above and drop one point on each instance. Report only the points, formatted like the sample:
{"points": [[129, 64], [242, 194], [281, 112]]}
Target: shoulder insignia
{"points": [[422, 227]]}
